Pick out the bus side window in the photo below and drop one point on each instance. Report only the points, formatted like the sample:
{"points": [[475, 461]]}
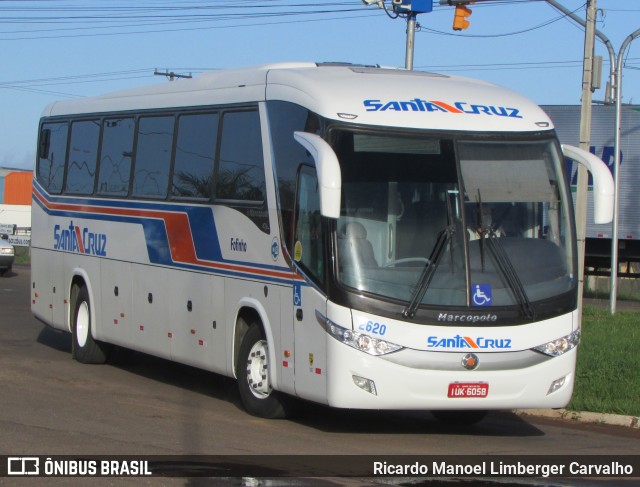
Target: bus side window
{"points": [[195, 153], [240, 181], [52, 156], [115, 157], [308, 247], [240, 165], [153, 157], [45, 143], [83, 154]]}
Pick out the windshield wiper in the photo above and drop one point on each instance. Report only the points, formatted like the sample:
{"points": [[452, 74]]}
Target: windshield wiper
{"points": [[480, 229], [444, 237], [428, 272], [502, 260], [511, 275]]}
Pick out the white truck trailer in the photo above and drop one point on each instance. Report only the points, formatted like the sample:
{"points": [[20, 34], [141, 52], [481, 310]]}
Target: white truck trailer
{"points": [[566, 119]]}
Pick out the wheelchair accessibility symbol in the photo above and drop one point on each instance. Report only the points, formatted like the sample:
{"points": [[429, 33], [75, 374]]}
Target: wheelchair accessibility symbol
{"points": [[297, 295], [481, 294]]}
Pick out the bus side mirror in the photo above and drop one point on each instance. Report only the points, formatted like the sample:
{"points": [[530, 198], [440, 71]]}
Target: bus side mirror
{"points": [[602, 182], [328, 171]]}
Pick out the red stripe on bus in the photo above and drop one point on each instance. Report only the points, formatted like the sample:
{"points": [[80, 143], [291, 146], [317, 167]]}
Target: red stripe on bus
{"points": [[177, 226]]}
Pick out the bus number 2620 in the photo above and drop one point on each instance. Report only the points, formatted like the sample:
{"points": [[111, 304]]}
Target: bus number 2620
{"points": [[375, 328]]}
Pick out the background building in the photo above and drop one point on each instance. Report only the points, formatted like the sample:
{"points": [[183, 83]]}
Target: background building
{"points": [[15, 204]]}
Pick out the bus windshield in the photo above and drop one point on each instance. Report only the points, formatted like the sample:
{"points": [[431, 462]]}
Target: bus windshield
{"points": [[436, 221]]}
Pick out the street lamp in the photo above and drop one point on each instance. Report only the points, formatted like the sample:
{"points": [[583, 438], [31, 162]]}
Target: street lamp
{"points": [[409, 9], [616, 173]]}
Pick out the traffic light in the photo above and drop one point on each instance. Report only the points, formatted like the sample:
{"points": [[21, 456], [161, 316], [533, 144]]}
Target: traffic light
{"points": [[460, 21]]}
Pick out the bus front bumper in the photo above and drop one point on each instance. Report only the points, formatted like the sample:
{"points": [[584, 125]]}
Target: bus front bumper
{"points": [[361, 381]]}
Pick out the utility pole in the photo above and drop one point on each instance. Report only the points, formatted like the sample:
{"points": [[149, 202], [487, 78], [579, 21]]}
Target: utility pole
{"points": [[585, 141], [171, 76], [411, 8], [408, 9], [610, 95], [411, 35], [614, 95]]}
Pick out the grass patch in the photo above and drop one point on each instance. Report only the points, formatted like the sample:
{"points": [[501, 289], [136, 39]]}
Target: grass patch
{"points": [[607, 379], [22, 255]]}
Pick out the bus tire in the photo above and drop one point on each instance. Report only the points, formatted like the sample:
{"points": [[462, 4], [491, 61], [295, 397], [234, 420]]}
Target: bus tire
{"points": [[84, 348], [257, 396], [461, 418]]}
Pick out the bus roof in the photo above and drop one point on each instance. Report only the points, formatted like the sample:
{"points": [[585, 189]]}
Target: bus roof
{"points": [[350, 93]]}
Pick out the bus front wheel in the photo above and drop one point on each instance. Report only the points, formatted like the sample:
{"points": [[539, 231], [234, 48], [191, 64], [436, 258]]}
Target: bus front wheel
{"points": [[256, 393], [85, 349]]}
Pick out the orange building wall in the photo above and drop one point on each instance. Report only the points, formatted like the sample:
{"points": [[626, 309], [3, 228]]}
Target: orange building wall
{"points": [[17, 188]]}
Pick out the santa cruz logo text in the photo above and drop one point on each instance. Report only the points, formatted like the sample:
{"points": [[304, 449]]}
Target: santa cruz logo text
{"points": [[420, 105], [80, 240], [468, 342]]}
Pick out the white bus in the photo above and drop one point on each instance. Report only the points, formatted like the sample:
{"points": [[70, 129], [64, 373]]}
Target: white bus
{"points": [[355, 236]]}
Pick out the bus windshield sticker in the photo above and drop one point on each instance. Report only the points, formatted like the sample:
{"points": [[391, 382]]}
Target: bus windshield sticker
{"points": [[297, 251], [481, 294], [297, 294]]}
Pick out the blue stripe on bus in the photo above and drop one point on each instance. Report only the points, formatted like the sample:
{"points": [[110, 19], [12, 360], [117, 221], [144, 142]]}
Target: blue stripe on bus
{"points": [[201, 223]]}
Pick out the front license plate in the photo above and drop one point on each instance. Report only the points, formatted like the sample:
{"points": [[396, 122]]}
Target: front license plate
{"points": [[468, 389]]}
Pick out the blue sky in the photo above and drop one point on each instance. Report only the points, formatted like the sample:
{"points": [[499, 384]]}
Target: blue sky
{"points": [[60, 49]]}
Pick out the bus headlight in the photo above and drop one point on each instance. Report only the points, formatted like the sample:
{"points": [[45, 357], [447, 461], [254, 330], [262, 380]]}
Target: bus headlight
{"points": [[359, 341], [557, 347], [362, 342]]}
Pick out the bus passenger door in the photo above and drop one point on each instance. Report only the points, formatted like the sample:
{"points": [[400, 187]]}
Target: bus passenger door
{"points": [[309, 301]]}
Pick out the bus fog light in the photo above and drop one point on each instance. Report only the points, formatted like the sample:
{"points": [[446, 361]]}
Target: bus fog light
{"points": [[555, 385], [365, 384]]}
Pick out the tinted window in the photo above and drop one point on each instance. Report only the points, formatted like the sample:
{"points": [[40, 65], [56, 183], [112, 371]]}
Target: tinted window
{"points": [[309, 251], [53, 142], [153, 157], [195, 155], [83, 153], [115, 156], [241, 167], [284, 119]]}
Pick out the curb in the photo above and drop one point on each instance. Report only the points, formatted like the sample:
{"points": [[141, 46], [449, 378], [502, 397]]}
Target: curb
{"points": [[583, 417]]}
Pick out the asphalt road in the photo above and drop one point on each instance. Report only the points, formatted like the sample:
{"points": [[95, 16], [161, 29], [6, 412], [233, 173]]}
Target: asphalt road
{"points": [[52, 405]]}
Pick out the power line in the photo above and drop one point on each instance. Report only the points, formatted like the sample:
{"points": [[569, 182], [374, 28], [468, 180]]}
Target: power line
{"points": [[315, 14], [497, 66], [505, 34], [147, 72], [110, 18], [80, 78], [36, 85], [239, 21]]}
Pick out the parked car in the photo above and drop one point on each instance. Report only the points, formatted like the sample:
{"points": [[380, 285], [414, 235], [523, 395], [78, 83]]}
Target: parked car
{"points": [[7, 253]]}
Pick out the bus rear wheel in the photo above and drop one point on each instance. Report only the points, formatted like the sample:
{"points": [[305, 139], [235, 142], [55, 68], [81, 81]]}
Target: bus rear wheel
{"points": [[85, 349], [256, 393]]}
